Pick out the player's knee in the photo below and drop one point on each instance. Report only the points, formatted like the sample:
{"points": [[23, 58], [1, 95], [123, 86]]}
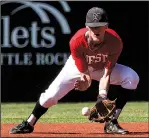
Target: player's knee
{"points": [[131, 80], [135, 80], [47, 101]]}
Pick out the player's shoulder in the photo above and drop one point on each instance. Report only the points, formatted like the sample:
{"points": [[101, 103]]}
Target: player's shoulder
{"points": [[78, 36], [113, 33], [113, 38]]}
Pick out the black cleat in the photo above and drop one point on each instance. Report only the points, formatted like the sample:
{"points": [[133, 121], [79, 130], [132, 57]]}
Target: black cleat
{"points": [[22, 128], [112, 127]]}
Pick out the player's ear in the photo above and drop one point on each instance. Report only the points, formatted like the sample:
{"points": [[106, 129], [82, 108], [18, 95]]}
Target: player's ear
{"points": [[87, 27], [107, 26]]}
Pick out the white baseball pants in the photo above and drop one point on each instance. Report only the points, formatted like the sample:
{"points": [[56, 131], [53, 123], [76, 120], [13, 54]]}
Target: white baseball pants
{"points": [[64, 82]]}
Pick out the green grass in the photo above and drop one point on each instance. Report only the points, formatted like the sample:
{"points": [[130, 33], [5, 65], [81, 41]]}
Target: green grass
{"points": [[69, 112]]}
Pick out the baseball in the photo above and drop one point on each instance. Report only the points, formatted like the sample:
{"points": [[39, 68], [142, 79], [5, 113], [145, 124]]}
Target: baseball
{"points": [[85, 111]]}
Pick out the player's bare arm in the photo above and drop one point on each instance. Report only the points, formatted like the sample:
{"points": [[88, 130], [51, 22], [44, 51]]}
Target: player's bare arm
{"points": [[105, 83]]}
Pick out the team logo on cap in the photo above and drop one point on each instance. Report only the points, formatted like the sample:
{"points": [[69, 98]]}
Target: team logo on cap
{"points": [[96, 16]]}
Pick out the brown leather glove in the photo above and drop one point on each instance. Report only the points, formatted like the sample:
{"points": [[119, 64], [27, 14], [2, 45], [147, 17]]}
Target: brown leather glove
{"points": [[102, 111]]}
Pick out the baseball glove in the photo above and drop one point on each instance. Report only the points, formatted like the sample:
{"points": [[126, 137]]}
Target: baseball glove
{"points": [[102, 111]]}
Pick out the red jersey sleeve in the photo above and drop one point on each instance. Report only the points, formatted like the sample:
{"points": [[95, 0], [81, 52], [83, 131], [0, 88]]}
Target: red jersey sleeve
{"points": [[78, 55], [113, 57]]}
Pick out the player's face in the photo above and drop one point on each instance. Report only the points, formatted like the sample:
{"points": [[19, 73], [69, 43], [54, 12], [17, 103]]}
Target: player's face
{"points": [[97, 33]]}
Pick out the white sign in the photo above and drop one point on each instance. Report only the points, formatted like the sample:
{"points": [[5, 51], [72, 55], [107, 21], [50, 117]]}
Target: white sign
{"points": [[21, 36]]}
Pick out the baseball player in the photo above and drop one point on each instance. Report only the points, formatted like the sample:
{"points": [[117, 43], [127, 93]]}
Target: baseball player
{"points": [[95, 50]]}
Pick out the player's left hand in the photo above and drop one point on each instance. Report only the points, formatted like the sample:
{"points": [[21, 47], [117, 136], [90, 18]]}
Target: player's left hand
{"points": [[81, 85], [102, 111]]}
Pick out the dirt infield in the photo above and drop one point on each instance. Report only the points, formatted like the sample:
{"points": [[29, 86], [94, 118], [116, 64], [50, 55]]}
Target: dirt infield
{"points": [[77, 130]]}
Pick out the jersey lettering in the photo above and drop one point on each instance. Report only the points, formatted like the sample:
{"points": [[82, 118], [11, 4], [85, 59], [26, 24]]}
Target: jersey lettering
{"points": [[96, 58]]}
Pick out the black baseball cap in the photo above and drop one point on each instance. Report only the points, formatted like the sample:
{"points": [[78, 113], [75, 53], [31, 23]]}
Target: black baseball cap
{"points": [[96, 17]]}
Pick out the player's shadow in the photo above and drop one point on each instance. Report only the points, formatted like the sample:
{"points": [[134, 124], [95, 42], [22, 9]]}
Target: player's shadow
{"points": [[56, 133], [130, 133], [138, 133]]}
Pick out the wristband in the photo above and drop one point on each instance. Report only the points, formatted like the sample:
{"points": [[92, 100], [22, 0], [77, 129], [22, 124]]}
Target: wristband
{"points": [[103, 93]]}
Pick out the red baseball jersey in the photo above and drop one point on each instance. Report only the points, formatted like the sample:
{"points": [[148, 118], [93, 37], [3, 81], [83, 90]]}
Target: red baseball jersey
{"points": [[105, 57]]}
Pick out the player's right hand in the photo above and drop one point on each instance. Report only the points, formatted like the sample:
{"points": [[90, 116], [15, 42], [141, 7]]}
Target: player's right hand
{"points": [[82, 84]]}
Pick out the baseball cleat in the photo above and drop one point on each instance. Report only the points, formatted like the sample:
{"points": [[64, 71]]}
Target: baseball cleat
{"points": [[112, 127], [22, 128]]}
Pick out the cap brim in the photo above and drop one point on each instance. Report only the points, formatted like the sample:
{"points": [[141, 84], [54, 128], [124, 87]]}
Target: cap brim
{"points": [[96, 24]]}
